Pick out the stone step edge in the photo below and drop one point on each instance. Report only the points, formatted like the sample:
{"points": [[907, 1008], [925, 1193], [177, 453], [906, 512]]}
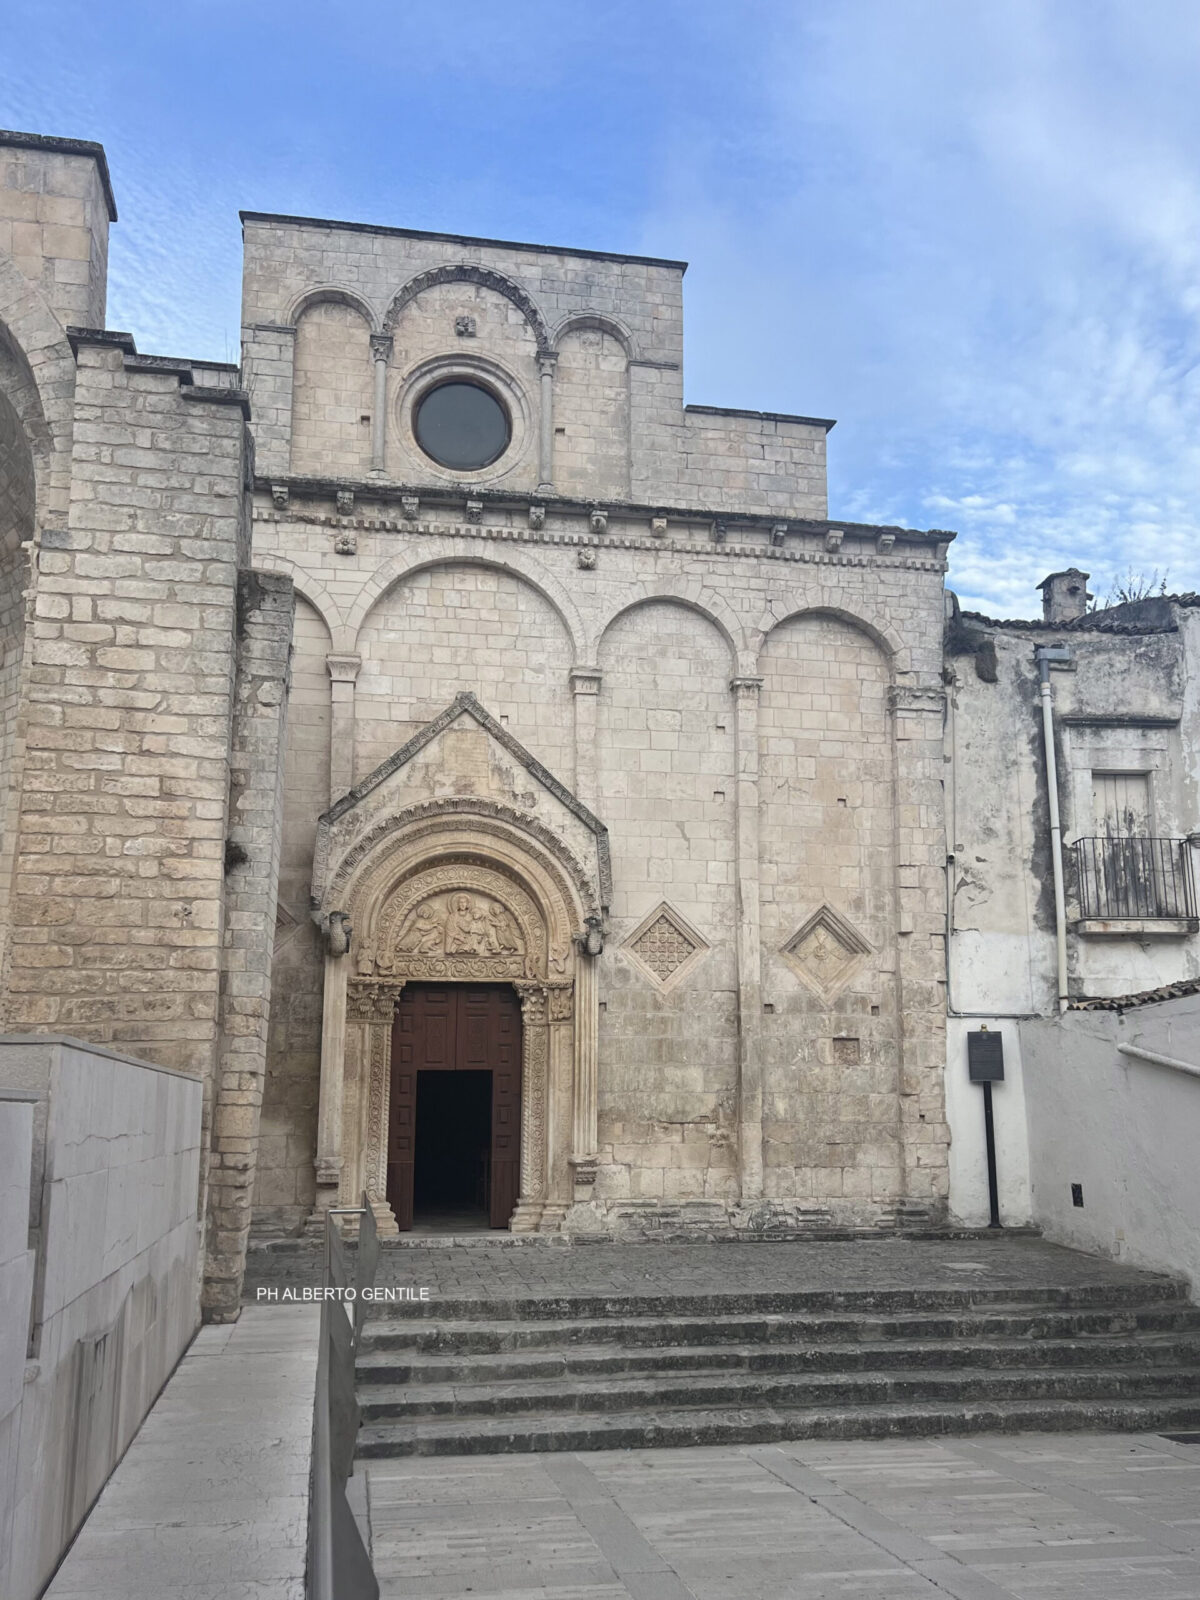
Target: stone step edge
{"points": [[376, 1330], [375, 1360], [725, 1426], [657, 1393], [782, 1302]]}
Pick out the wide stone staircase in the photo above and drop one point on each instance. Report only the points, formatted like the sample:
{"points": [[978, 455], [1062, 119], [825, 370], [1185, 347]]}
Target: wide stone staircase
{"points": [[588, 1372]]}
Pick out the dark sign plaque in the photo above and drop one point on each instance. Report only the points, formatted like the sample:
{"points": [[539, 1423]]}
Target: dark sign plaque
{"points": [[985, 1057]]}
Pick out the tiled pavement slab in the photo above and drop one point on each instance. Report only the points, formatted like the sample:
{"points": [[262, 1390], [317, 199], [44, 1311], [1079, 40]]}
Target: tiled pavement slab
{"points": [[1040, 1517]]}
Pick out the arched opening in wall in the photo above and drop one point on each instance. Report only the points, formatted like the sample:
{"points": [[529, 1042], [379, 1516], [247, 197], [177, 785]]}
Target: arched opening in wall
{"points": [[18, 494], [591, 415], [454, 1128], [667, 792], [827, 828], [332, 392], [462, 626], [287, 1139]]}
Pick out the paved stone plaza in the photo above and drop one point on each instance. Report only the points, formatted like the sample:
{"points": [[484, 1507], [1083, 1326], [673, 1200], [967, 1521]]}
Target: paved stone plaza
{"points": [[501, 1267], [1106, 1517]]}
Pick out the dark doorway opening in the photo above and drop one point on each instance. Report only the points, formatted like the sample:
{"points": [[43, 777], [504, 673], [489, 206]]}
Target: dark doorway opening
{"points": [[443, 1139], [451, 1183]]}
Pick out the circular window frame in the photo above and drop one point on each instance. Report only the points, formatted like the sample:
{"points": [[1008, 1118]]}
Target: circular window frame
{"points": [[483, 374], [461, 383]]}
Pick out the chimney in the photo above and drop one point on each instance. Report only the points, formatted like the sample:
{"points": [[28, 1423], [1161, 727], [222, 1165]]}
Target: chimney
{"points": [[1064, 595]]}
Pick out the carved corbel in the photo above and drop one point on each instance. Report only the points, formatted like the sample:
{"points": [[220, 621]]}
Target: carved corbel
{"points": [[338, 933]]}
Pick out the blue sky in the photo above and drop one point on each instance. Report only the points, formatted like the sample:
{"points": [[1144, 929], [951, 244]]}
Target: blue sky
{"points": [[968, 229]]}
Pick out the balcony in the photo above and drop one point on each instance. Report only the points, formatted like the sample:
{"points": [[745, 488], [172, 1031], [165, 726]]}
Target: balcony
{"points": [[1134, 887]]}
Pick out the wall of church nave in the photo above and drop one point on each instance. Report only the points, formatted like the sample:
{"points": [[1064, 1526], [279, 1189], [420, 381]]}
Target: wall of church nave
{"points": [[332, 393], [287, 1140], [829, 1030], [464, 627], [668, 1030], [591, 416]]}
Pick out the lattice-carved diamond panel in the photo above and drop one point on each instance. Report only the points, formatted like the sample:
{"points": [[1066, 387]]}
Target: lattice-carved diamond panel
{"points": [[665, 947], [825, 952]]}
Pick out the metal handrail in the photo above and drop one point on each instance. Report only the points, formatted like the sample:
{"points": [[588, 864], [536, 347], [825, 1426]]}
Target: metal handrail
{"points": [[339, 1567]]}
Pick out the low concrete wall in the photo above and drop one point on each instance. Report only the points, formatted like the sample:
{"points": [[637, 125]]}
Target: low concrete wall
{"points": [[99, 1277], [1127, 1131]]}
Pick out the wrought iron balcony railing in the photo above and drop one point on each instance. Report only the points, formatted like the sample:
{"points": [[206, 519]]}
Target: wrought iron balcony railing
{"points": [[1121, 877]]}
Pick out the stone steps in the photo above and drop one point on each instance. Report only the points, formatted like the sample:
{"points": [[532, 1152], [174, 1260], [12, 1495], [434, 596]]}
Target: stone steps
{"points": [[715, 1391], [382, 1366], [578, 1372], [476, 1336], [696, 1426]]}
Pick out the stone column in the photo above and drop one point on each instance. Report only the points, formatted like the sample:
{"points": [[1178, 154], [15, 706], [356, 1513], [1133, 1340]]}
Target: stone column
{"points": [[559, 1105], [584, 1155], [366, 1093], [381, 354], [546, 364], [749, 958], [333, 1068], [924, 1138], [343, 674], [585, 686], [535, 1046]]}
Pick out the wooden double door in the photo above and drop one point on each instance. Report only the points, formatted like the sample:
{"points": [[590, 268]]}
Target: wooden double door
{"points": [[469, 1150]]}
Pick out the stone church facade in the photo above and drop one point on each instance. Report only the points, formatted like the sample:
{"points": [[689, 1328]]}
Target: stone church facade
{"points": [[439, 664]]}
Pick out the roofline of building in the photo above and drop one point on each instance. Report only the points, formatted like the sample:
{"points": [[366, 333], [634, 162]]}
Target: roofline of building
{"points": [[763, 416], [460, 238], [13, 140]]}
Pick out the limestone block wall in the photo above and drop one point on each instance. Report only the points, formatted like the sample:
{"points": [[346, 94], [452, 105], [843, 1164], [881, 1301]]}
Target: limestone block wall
{"points": [[265, 618], [345, 326], [56, 204], [103, 1188], [288, 1119], [759, 726], [666, 788], [116, 924]]}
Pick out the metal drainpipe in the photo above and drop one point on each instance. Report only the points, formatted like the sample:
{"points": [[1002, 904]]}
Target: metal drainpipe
{"points": [[1045, 655]]}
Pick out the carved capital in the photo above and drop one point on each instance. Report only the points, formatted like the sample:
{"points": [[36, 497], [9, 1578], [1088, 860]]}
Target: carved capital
{"points": [[343, 669], [329, 1171], [371, 1002], [547, 361], [533, 1004], [381, 347], [904, 697], [585, 680], [562, 1001], [746, 687]]}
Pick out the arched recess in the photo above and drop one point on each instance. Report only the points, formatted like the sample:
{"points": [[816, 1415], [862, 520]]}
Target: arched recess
{"points": [[440, 625], [331, 294], [829, 603], [592, 410], [309, 588], [332, 389], [600, 322], [666, 758], [449, 892], [694, 596], [828, 901], [485, 277]]}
